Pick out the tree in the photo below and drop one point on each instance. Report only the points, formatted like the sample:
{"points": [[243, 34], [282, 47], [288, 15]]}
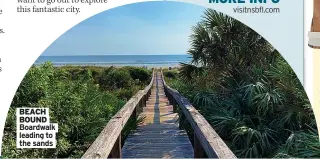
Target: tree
{"points": [[245, 89]]}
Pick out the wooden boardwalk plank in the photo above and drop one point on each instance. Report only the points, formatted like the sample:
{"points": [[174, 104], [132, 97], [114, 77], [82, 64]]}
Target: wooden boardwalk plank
{"points": [[159, 135]]}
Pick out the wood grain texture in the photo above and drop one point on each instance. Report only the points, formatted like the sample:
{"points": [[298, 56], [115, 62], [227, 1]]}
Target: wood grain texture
{"points": [[207, 137], [159, 135]]}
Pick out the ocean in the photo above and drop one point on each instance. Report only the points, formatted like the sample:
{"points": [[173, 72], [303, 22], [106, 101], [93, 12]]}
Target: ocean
{"points": [[116, 60]]}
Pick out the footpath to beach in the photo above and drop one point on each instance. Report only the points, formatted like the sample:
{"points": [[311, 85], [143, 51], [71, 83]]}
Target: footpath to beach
{"points": [[162, 133], [159, 136]]}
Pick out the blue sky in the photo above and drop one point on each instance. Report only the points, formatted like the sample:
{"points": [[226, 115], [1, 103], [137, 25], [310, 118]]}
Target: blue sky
{"points": [[141, 28]]}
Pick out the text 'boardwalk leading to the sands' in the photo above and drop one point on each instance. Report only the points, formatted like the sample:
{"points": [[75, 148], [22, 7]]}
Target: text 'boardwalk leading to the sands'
{"points": [[34, 129]]}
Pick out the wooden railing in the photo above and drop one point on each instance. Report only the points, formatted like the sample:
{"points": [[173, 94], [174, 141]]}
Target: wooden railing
{"points": [[108, 143], [207, 143]]}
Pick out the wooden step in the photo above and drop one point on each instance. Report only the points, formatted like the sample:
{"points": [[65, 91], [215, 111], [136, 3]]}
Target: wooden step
{"points": [[158, 136], [158, 140]]}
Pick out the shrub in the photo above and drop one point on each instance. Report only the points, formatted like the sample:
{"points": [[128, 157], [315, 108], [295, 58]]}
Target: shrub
{"points": [[115, 79], [142, 74], [77, 103], [170, 74], [247, 91]]}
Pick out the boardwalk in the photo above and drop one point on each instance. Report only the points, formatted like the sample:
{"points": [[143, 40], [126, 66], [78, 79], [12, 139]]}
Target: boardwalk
{"points": [[159, 135]]}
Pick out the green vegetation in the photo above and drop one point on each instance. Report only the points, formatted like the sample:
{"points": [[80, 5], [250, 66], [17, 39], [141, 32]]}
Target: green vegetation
{"points": [[81, 101], [246, 91]]}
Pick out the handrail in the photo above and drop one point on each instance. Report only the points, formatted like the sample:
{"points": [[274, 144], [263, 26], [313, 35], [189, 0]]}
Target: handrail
{"points": [[108, 143], [207, 143]]}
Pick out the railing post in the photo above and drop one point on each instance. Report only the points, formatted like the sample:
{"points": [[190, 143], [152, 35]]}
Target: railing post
{"points": [[181, 121], [149, 93], [145, 98], [116, 150], [198, 149], [172, 102], [174, 105], [139, 106], [143, 101], [134, 114]]}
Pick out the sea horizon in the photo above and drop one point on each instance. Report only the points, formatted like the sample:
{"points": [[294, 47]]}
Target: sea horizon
{"points": [[116, 60], [121, 55]]}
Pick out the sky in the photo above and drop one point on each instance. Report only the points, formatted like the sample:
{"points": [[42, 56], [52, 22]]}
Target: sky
{"points": [[149, 28]]}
